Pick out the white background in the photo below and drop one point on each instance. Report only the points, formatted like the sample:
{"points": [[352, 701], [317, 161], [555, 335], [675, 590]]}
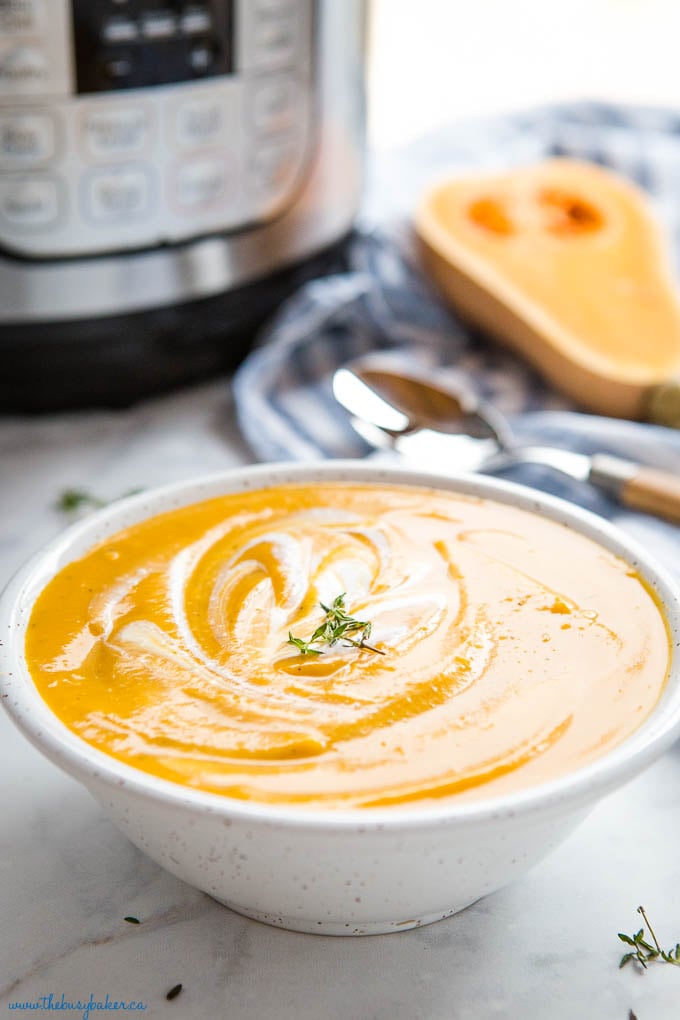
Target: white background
{"points": [[433, 61]]}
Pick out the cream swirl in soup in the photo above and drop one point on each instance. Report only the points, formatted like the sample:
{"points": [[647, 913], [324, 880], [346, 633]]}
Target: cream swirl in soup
{"points": [[508, 649]]}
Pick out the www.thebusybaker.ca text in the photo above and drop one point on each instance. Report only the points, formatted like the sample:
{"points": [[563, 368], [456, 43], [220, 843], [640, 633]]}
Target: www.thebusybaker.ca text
{"points": [[82, 1006]]}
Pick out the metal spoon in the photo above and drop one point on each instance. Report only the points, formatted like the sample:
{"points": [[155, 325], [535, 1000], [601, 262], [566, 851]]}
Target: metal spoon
{"points": [[428, 421]]}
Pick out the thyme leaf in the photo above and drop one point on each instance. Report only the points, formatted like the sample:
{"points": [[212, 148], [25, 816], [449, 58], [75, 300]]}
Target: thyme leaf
{"points": [[304, 647], [73, 501], [643, 952]]}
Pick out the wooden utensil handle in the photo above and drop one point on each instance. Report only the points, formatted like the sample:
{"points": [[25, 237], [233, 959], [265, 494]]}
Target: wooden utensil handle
{"points": [[653, 491], [641, 488]]}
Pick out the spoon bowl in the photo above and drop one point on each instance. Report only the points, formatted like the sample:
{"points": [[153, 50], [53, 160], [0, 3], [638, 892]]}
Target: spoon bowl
{"points": [[446, 423], [388, 405]]}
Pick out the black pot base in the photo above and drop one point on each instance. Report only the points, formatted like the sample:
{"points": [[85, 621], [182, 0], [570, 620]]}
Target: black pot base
{"points": [[119, 360]]}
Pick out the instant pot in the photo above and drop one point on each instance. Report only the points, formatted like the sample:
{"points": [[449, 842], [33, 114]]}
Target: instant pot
{"points": [[169, 171]]}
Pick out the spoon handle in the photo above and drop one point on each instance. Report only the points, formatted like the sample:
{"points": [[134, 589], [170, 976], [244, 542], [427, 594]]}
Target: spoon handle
{"points": [[638, 487]]}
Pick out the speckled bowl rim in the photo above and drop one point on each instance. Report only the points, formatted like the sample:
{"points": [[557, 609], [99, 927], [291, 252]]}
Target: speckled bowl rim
{"points": [[31, 714]]}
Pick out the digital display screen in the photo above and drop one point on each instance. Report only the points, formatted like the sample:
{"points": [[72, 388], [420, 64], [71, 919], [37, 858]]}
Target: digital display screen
{"points": [[129, 44]]}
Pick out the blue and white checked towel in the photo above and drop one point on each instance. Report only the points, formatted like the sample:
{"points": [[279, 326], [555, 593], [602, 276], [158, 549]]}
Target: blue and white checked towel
{"points": [[283, 389]]}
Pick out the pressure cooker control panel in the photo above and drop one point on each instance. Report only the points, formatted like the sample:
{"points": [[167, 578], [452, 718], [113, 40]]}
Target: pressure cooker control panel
{"points": [[131, 123]]}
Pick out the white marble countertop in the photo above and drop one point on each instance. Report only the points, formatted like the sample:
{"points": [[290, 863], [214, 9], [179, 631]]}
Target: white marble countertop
{"points": [[544, 948]]}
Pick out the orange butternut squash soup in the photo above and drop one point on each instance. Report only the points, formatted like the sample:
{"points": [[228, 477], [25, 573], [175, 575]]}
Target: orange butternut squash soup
{"points": [[225, 646]]}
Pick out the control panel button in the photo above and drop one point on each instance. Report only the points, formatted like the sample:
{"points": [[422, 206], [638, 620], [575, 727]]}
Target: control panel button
{"points": [[117, 196], [200, 122], [275, 36], [29, 203], [273, 5], [195, 20], [274, 104], [201, 183], [23, 69], [122, 131], [21, 17], [273, 169], [26, 139]]}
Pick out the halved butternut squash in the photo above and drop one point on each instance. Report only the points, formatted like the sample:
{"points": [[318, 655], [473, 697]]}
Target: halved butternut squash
{"points": [[564, 262]]}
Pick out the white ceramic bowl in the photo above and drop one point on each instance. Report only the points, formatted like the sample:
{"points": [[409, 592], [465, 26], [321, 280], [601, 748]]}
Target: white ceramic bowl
{"points": [[332, 872]]}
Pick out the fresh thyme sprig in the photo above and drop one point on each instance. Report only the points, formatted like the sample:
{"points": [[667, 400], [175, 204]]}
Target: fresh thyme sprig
{"points": [[336, 625], [643, 952], [73, 501]]}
